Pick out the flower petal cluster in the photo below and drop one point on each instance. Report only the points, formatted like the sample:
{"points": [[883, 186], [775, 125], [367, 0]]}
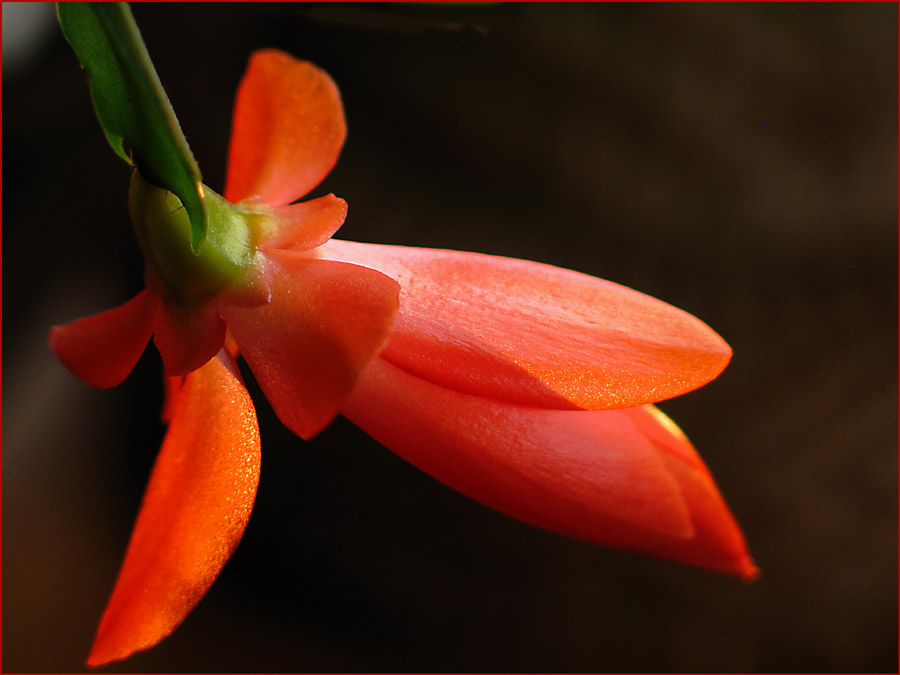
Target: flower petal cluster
{"points": [[525, 386]]}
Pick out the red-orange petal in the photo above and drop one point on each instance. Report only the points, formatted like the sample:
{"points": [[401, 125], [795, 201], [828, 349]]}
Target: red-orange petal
{"points": [[171, 390], [617, 478], [188, 336], [287, 131], [534, 334], [719, 543], [172, 385], [307, 346], [301, 226], [102, 349], [193, 515]]}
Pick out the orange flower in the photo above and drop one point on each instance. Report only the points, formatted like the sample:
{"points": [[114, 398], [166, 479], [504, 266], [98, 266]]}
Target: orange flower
{"points": [[524, 386]]}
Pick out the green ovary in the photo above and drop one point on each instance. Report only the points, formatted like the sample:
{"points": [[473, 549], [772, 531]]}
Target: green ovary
{"points": [[225, 258]]}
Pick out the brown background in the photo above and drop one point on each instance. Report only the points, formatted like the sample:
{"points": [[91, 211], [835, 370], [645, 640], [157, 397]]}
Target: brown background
{"points": [[738, 161]]}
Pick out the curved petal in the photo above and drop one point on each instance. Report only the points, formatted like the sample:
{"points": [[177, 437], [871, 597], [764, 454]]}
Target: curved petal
{"points": [[287, 132], [534, 334], [172, 385], [300, 226], [188, 336], [616, 477], [718, 538], [103, 349], [193, 515], [306, 347]]}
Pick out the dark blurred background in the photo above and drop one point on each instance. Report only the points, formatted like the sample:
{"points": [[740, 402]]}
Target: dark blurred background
{"points": [[736, 160]]}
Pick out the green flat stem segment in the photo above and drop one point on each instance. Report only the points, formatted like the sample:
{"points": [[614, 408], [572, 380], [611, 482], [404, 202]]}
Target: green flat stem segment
{"points": [[131, 105]]}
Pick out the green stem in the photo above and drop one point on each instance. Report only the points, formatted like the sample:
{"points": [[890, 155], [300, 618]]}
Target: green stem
{"points": [[131, 104]]}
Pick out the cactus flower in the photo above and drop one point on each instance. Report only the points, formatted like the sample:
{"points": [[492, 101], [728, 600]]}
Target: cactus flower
{"points": [[525, 386]]}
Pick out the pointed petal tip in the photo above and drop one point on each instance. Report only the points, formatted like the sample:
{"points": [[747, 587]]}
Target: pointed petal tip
{"points": [[749, 571], [740, 565], [98, 658], [197, 504], [718, 543], [104, 652], [719, 348], [734, 564]]}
